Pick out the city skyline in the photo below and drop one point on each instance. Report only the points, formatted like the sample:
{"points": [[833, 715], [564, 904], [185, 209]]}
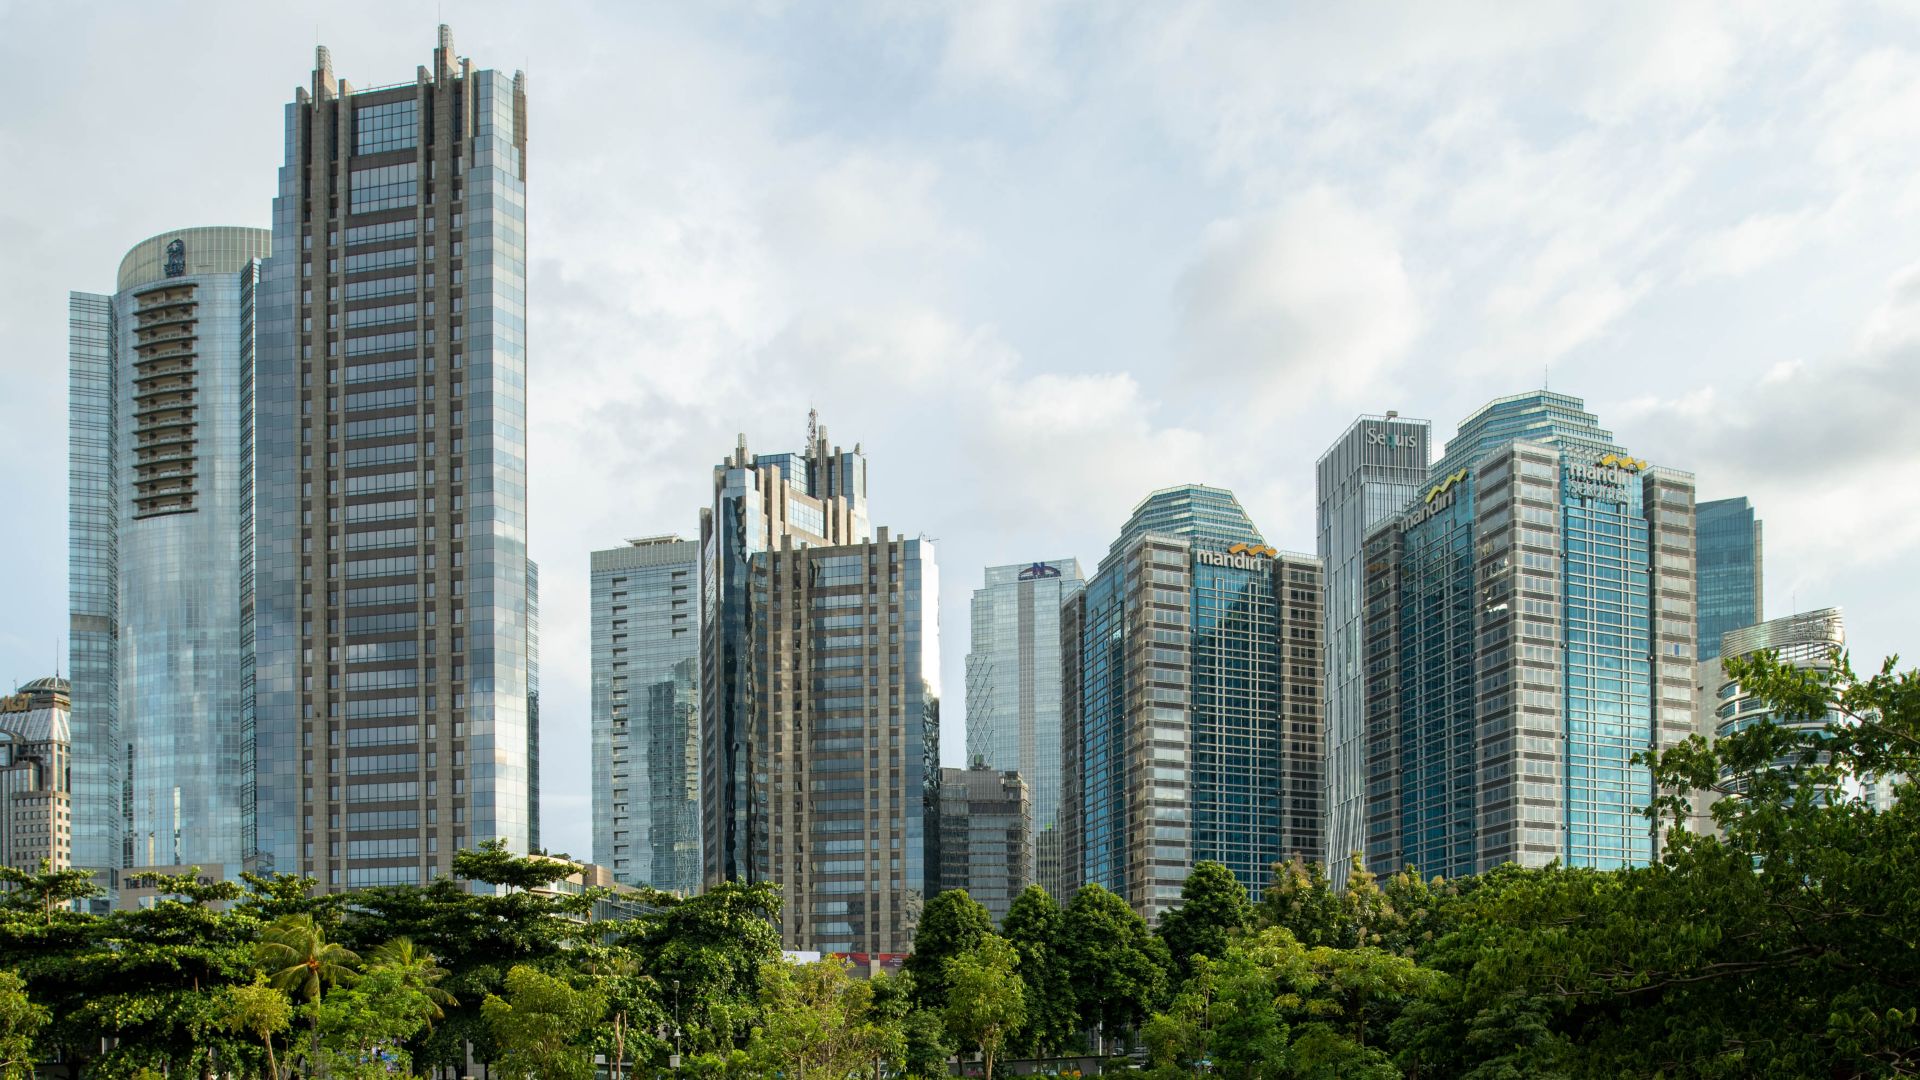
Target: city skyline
{"points": [[995, 404]]}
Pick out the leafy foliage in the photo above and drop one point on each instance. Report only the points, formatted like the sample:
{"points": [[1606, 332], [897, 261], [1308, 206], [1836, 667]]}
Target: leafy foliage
{"points": [[1784, 945]]}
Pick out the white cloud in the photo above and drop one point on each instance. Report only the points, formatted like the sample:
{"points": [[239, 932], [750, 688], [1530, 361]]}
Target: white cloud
{"points": [[1311, 298]]}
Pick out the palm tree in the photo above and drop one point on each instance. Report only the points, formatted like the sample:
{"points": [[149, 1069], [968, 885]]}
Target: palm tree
{"points": [[418, 970], [298, 959]]}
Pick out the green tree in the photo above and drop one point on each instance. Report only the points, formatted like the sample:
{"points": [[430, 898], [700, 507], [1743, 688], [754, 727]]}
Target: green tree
{"points": [[819, 1022], [1302, 901], [46, 889], [1780, 949], [986, 1001], [494, 864], [20, 1020], [544, 1025], [705, 955], [418, 971], [149, 984], [950, 924], [925, 1044], [1033, 926], [259, 1010], [1213, 908], [299, 961], [1118, 968]]}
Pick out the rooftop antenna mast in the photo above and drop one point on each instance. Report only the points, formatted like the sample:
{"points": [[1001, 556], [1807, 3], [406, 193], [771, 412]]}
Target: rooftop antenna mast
{"points": [[813, 428]]}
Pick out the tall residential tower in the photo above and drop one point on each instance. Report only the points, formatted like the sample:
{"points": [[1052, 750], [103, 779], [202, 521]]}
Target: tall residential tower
{"points": [[392, 598], [159, 497], [1370, 474], [1013, 691]]}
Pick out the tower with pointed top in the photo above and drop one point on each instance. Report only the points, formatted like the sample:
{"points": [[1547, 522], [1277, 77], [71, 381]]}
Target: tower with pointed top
{"points": [[391, 603]]}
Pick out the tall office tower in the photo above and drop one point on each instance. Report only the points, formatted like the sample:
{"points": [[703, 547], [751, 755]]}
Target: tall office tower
{"points": [[1529, 628], [1369, 474], [1191, 697], [36, 758], [158, 495], [986, 835], [1731, 570], [815, 497], [844, 739], [646, 713], [393, 599], [1013, 689]]}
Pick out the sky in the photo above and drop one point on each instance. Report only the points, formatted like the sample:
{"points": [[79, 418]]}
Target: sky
{"points": [[1042, 258]]}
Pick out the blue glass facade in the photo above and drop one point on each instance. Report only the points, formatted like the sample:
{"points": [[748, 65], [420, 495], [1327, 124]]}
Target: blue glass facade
{"points": [[1529, 628], [646, 705], [93, 596], [1191, 703], [157, 502], [1731, 570], [1013, 684]]}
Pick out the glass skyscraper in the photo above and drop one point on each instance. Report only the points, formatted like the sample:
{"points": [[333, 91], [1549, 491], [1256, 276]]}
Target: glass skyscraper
{"points": [[1529, 627], [1013, 690], [844, 739], [760, 503], [646, 713], [160, 373], [1191, 704], [1375, 468], [1731, 570], [392, 599], [986, 836]]}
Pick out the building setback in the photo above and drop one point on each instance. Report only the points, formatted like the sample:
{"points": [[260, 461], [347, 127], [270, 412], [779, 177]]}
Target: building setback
{"points": [[1529, 628], [986, 835], [1367, 476], [392, 600], [1732, 570], [646, 713], [159, 495], [1192, 675], [36, 757], [843, 799], [1013, 690]]}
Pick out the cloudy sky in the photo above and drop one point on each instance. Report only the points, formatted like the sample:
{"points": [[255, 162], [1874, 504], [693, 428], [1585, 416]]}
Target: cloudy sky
{"points": [[1041, 258]]}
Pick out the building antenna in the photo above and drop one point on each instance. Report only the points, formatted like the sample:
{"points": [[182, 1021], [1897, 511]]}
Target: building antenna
{"points": [[1546, 376]]}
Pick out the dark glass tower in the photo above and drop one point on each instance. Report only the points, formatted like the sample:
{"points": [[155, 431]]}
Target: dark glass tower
{"points": [[1731, 570]]}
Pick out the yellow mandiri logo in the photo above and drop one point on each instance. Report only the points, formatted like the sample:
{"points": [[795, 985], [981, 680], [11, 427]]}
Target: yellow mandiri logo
{"points": [[1440, 488], [1252, 549], [1620, 461]]}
